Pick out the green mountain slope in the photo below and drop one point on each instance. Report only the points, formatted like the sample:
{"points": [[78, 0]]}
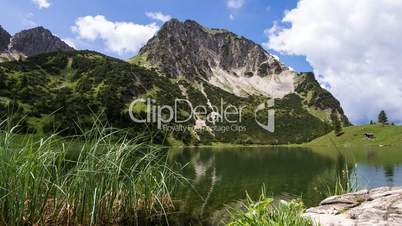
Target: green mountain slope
{"points": [[63, 91], [355, 136], [68, 91]]}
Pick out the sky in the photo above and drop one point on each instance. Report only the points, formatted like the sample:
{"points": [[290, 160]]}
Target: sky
{"points": [[352, 46]]}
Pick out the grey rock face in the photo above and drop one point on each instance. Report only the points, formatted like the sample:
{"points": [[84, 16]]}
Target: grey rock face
{"points": [[231, 63], [380, 206], [189, 49], [4, 39], [36, 41]]}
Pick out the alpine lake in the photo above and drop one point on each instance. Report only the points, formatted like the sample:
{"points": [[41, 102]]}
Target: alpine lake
{"points": [[220, 177]]}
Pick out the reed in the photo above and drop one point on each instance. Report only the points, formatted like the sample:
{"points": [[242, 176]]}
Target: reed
{"points": [[99, 178]]}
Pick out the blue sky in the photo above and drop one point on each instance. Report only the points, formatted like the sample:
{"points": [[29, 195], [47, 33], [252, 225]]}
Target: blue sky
{"points": [[250, 20]]}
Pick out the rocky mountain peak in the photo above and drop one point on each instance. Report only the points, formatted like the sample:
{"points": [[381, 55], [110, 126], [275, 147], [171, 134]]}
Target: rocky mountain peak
{"points": [[36, 41], [206, 56], [4, 39], [223, 58], [174, 25]]}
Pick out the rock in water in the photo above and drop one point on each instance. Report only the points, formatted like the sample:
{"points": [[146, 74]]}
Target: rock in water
{"points": [[380, 206]]}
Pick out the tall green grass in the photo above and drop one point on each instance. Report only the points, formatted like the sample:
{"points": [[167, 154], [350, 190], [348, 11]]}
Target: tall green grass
{"points": [[265, 212], [99, 178], [345, 182]]}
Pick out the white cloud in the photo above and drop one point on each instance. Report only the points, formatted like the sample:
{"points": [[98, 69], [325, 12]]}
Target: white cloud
{"points": [[158, 16], [42, 3], [354, 46], [118, 37], [273, 31], [235, 4]]}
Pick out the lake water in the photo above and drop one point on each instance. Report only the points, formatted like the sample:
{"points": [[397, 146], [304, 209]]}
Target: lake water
{"points": [[221, 176]]}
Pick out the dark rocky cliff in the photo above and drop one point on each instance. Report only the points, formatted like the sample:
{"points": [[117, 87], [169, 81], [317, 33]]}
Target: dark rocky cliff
{"points": [[36, 41], [4, 39], [189, 49]]}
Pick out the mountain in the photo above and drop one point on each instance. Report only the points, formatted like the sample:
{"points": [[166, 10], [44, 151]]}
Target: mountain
{"points": [[4, 39], [28, 43], [234, 64], [220, 57], [63, 91], [67, 91], [36, 41]]}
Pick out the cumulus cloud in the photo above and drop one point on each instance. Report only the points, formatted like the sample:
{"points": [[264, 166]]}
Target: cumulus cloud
{"points": [[355, 48], [235, 4], [118, 37], [42, 3], [158, 16]]}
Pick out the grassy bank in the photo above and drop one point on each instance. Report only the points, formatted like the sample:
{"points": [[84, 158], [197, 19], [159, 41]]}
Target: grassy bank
{"points": [[103, 178], [266, 211], [385, 135]]}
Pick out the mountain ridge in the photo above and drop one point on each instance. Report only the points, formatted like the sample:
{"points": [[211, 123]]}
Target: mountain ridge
{"points": [[201, 46], [230, 62], [63, 91], [4, 39], [29, 42]]}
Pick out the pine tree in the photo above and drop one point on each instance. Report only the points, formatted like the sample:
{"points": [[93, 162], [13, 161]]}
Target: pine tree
{"points": [[382, 118], [336, 124]]}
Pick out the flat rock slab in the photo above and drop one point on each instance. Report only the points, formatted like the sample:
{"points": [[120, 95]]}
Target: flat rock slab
{"points": [[379, 206]]}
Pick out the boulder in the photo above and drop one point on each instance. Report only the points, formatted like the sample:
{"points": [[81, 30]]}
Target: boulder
{"points": [[380, 206]]}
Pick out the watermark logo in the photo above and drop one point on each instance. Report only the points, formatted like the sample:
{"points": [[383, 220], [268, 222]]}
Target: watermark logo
{"points": [[270, 126], [228, 116]]}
